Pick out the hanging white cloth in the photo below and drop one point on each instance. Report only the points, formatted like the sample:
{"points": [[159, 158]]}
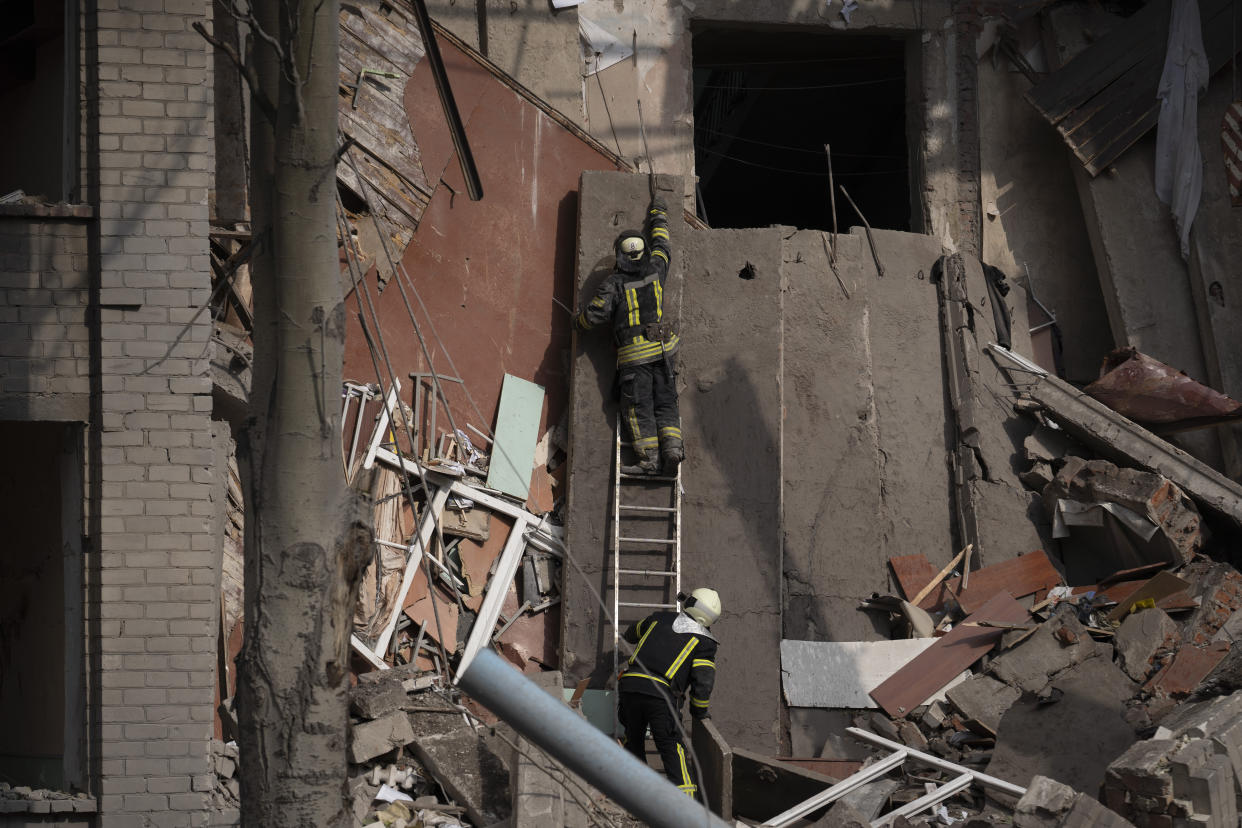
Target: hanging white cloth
{"points": [[1179, 163]]}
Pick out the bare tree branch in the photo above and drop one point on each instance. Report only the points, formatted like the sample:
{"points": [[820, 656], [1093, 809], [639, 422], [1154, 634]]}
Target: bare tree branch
{"points": [[247, 71]]}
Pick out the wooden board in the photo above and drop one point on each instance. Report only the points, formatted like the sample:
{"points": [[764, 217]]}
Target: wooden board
{"points": [[912, 572], [838, 674], [1161, 586], [517, 429], [936, 666], [1021, 576], [1104, 98]]}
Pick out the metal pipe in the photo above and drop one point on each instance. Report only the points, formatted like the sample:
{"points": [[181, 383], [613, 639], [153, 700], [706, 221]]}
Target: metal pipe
{"points": [[546, 721], [456, 129]]}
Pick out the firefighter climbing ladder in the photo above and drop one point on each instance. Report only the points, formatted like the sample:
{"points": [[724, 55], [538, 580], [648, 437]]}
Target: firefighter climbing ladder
{"points": [[627, 547]]}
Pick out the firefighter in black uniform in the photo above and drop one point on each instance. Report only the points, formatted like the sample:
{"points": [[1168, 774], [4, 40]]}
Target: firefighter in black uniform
{"points": [[632, 298], [674, 652]]}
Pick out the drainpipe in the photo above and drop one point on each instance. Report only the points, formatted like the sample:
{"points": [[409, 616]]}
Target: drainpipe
{"points": [[588, 752]]}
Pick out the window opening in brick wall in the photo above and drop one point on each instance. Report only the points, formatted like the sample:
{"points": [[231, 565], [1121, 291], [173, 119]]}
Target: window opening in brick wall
{"points": [[40, 605], [765, 104], [34, 97]]}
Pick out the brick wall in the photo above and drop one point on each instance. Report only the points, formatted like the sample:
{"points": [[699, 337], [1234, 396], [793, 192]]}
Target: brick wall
{"points": [[44, 340], [155, 602]]}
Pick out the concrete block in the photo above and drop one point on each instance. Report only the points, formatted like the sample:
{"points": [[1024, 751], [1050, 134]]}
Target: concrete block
{"points": [[1211, 792], [1031, 666], [373, 700], [371, 739], [870, 799], [1144, 769], [983, 699], [471, 772], [1044, 803], [1089, 813], [1185, 761]]}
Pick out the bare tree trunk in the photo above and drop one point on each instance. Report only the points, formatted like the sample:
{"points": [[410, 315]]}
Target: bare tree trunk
{"points": [[304, 543]]}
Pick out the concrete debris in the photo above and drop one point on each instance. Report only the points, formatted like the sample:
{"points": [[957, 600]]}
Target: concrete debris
{"points": [[1032, 665], [1128, 517], [1189, 775], [843, 814], [1049, 804], [983, 700], [1141, 636], [371, 739], [1107, 432]]}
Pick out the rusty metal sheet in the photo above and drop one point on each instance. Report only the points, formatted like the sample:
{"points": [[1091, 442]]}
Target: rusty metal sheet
{"points": [[1189, 666], [1149, 392], [486, 272], [948, 657]]}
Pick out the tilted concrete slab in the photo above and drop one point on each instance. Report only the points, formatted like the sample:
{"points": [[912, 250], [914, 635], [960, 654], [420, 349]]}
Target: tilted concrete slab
{"points": [[728, 379], [868, 427], [1127, 443]]}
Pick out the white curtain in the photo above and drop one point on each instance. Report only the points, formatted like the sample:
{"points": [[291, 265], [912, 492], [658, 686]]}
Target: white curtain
{"points": [[1179, 164]]}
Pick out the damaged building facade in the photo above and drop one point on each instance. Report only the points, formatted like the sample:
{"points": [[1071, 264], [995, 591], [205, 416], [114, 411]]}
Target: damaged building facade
{"points": [[881, 204]]}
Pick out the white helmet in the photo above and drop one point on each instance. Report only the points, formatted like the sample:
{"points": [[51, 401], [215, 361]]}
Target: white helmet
{"points": [[631, 245], [703, 605]]}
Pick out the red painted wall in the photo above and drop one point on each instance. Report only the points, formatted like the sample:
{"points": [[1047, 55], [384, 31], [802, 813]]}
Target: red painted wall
{"points": [[486, 270]]}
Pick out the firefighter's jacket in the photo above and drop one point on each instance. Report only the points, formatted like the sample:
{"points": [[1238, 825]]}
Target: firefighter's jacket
{"points": [[673, 653], [632, 297]]}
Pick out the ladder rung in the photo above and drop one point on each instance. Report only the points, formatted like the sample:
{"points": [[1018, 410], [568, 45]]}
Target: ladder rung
{"points": [[646, 572], [636, 604], [648, 508], [649, 478], [669, 541]]}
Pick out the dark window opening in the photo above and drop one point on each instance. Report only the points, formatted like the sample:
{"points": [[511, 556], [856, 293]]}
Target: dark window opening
{"points": [[36, 58], [40, 606], [766, 103]]}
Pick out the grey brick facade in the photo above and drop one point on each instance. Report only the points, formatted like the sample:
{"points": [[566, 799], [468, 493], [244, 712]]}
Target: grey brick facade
{"points": [[100, 325]]}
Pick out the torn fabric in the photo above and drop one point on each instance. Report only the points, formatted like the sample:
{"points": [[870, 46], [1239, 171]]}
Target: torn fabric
{"points": [[1179, 163]]}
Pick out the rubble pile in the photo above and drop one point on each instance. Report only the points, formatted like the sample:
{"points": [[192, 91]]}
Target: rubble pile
{"points": [[226, 788], [422, 755], [1103, 682], [462, 558]]}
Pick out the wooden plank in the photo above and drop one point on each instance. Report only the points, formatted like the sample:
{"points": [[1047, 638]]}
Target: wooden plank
{"points": [[936, 666], [1161, 586], [1094, 68], [1024, 575], [517, 427], [913, 572], [838, 674]]}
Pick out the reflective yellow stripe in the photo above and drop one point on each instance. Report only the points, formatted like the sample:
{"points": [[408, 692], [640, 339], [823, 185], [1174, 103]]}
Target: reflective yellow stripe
{"points": [[685, 651], [703, 662], [659, 233], [636, 674], [687, 785], [659, 253], [659, 295], [670, 431], [696, 703], [642, 641], [631, 302]]}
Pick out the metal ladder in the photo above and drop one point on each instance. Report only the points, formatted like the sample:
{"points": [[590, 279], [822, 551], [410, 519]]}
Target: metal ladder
{"points": [[627, 577]]}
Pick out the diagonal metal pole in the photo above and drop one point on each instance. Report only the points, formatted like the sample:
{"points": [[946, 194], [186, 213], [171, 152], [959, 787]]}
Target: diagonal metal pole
{"points": [[473, 185]]}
